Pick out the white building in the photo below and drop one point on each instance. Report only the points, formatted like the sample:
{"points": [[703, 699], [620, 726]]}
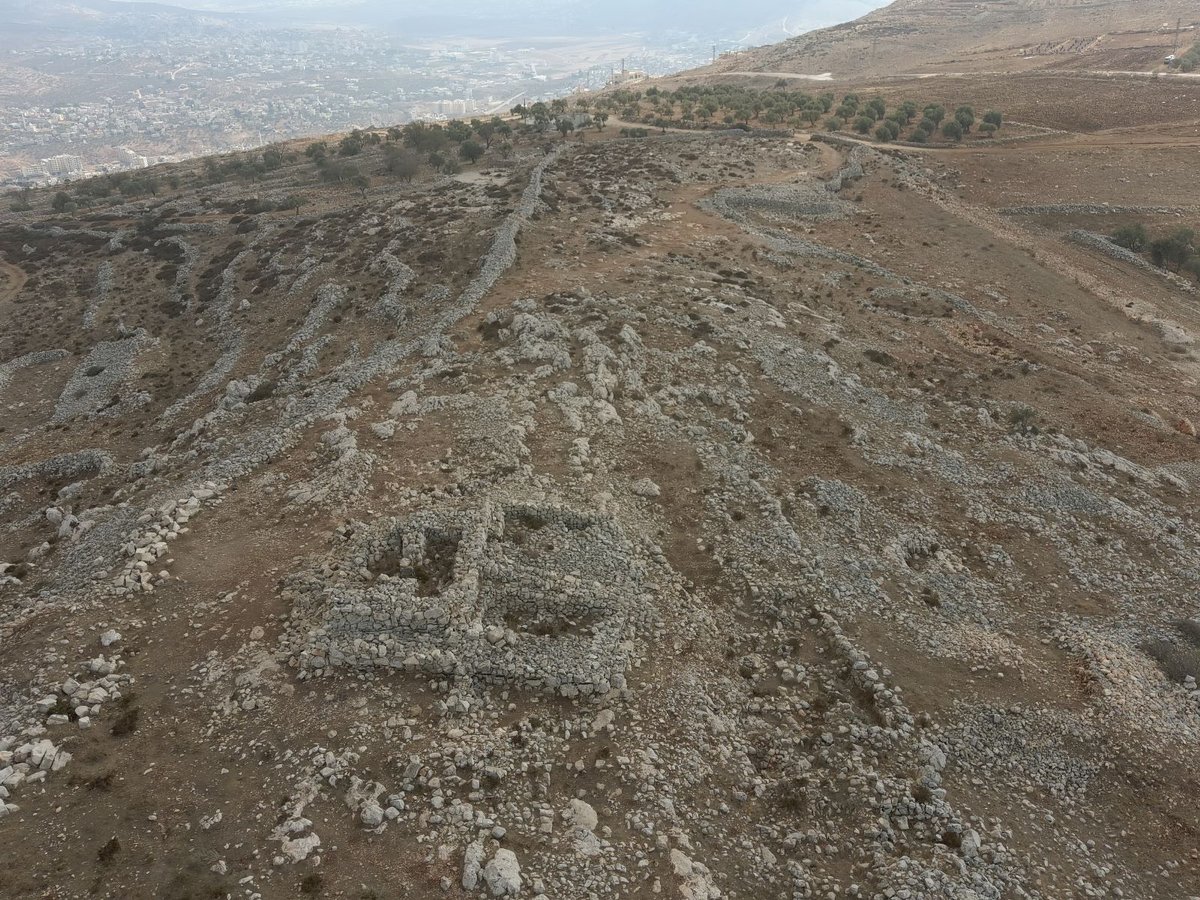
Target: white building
{"points": [[132, 159], [63, 165]]}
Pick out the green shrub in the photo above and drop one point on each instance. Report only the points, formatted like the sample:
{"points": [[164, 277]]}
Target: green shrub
{"points": [[1131, 237], [471, 151], [1175, 250], [1187, 61], [1021, 418]]}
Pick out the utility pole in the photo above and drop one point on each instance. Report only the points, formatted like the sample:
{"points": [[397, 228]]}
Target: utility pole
{"points": [[714, 53], [1175, 49]]}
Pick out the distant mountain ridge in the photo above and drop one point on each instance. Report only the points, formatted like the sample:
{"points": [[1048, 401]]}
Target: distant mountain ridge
{"points": [[713, 19], [103, 16]]}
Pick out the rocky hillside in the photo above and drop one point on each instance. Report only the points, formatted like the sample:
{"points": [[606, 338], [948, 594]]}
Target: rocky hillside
{"points": [[706, 514]]}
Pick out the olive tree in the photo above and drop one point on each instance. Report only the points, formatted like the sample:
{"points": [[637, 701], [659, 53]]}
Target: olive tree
{"points": [[471, 151]]}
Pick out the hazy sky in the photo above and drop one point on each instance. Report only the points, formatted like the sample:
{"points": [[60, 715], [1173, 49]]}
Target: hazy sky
{"points": [[717, 18]]}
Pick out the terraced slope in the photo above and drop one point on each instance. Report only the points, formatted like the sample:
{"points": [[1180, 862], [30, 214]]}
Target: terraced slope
{"points": [[709, 515]]}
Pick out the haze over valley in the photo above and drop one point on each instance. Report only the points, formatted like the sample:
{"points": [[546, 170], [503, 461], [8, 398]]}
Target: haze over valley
{"points": [[121, 85]]}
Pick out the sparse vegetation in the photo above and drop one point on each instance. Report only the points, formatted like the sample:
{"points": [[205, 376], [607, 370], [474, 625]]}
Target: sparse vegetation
{"points": [[471, 151], [1187, 62], [332, 171], [402, 163], [732, 106], [1021, 419], [22, 204], [1131, 237], [294, 202], [1177, 250], [312, 883]]}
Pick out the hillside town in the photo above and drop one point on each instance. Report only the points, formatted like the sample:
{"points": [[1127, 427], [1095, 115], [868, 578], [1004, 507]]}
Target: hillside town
{"points": [[119, 105]]}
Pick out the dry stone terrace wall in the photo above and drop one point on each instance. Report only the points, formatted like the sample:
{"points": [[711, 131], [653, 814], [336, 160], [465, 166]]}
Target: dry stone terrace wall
{"points": [[598, 593], [1103, 244], [537, 596], [239, 433], [57, 468]]}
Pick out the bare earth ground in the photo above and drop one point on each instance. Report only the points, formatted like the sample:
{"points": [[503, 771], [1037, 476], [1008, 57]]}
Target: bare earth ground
{"points": [[902, 478]]}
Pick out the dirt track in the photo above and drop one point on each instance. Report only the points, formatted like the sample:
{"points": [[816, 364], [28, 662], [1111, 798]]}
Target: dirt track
{"points": [[12, 280]]}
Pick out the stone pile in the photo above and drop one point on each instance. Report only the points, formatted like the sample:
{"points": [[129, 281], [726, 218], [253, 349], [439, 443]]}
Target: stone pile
{"points": [[160, 525], [99, 379], [25, 764]]}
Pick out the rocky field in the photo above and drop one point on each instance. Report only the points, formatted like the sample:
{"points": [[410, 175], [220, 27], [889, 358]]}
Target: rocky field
{"points": [[705, 515]]}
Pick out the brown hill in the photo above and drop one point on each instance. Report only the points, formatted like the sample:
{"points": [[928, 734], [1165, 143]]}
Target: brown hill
{"points": [[985, 35]]}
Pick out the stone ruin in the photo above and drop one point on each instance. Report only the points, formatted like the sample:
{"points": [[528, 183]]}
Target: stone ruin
{"points": [[536, 596]]}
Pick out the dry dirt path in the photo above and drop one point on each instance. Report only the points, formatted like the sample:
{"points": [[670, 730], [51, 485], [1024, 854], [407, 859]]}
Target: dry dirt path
{"points": [[790, 76], [1090, 73], [12, 279]]}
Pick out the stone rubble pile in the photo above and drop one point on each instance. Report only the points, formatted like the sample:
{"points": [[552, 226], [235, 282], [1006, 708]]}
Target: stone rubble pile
{"points": [[160, 526]]}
